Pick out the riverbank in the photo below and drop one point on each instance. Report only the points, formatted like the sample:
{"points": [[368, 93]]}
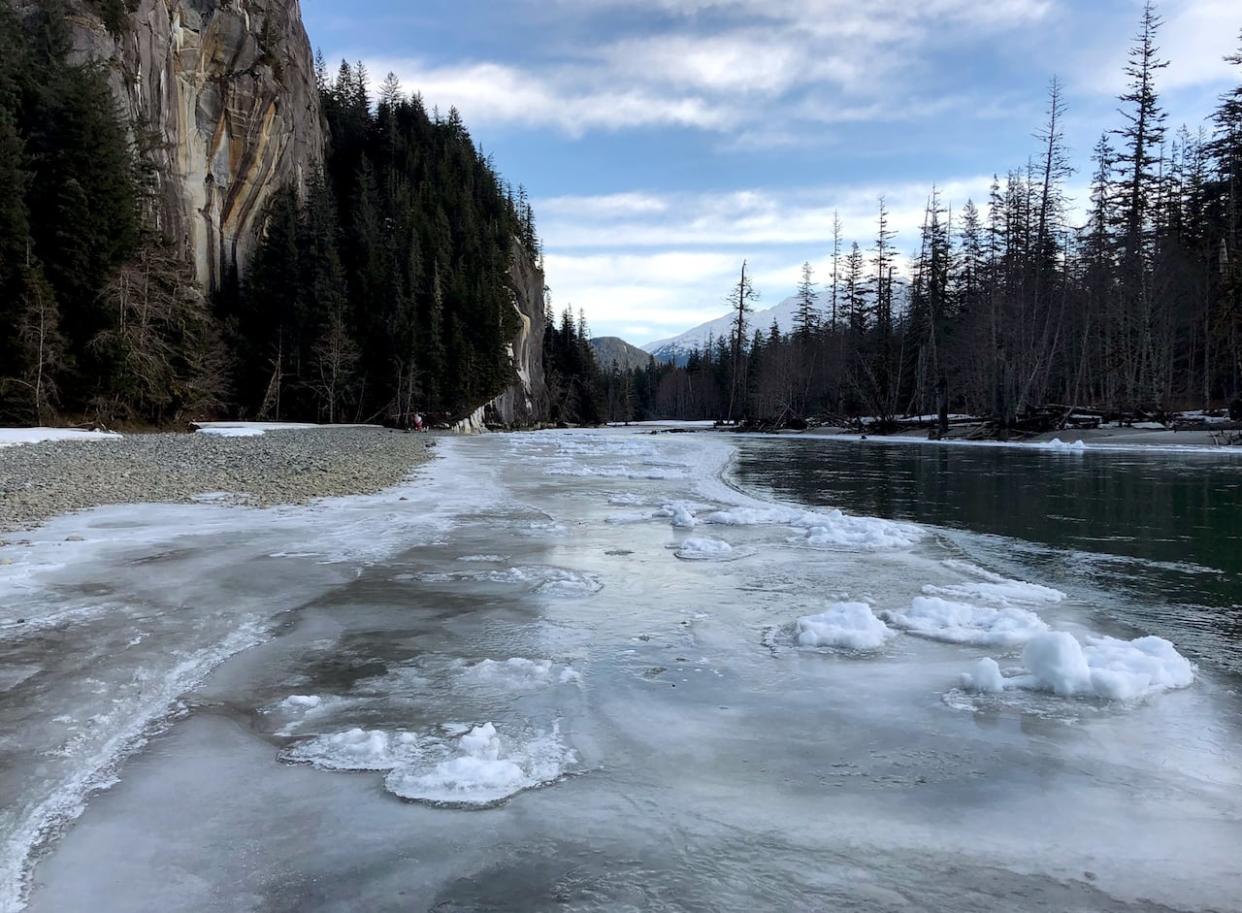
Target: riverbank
{"points": [[1100, 439], [288, 466]]}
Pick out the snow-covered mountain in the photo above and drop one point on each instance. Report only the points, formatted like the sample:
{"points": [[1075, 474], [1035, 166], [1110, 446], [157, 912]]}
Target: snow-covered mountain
{"points": [[678, 349]]}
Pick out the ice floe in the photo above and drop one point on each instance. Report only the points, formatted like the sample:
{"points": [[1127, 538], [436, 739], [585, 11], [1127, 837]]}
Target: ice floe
{"points": [[823, 529], [483, 769], [850, 625], [962, 623]]}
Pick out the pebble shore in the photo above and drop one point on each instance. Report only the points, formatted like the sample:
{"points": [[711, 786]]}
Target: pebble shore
{"points": [[39, 481]]}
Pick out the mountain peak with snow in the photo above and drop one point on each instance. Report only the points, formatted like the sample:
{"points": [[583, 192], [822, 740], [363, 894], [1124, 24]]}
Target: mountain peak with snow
{"points": [[677, 349]]}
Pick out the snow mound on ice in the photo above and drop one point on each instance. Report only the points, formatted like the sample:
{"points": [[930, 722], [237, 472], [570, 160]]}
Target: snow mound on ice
{"points": [[703, 549], [851, 625], [1105, 667], [985, 679], [678, 513], [830, 529], [960, 623], [484, 559], [357, 749], [484, 769], [511, 673]]}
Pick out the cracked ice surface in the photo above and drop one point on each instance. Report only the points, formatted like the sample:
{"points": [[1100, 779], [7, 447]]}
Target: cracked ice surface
{"points": [[490, 697]]}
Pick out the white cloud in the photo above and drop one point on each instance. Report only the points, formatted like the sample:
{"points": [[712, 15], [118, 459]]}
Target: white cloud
{"points": [[491, 93], [666, 265], [860, 60]]}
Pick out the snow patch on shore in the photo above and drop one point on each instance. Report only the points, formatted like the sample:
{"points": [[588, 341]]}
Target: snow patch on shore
{"points": [[16, 437]]}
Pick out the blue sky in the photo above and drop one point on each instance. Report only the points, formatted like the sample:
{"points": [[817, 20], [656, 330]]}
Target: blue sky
{"points": [[663, 141]]}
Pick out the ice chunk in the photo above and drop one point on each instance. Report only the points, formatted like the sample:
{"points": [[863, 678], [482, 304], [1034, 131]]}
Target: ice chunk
{"points": [[1106, 667], [986, 678], [357, 749], [485, 770], [851, 625], [1058, 444], [484, 559], [960, 623], [679, 513], [704, 549]]}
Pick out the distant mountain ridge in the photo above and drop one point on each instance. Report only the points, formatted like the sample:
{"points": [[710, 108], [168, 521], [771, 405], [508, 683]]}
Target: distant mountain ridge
{"points": [[677, 349], [613, 350]]}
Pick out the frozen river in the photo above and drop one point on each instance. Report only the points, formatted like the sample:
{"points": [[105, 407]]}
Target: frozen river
{"points": [[582, 671]]}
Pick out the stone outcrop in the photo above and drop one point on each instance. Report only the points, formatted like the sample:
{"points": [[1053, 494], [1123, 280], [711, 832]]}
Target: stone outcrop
{"points": [[524, 403], [226, 91]]}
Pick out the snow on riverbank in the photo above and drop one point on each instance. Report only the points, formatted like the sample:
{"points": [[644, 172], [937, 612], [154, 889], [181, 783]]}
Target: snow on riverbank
{"points": [[16, 437]]}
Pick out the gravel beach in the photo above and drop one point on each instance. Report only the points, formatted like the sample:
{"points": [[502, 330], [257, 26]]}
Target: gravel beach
{"points": [[38, 481]]}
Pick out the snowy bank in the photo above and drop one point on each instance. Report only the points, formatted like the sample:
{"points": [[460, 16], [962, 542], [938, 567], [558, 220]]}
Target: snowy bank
{"points": [[15, 437]]}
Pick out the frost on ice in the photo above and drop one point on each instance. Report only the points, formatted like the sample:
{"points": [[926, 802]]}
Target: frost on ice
{"points": [[1104, 667], [961, 623], [850, 625]]}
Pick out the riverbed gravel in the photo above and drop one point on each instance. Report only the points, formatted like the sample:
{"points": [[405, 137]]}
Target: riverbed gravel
{"points": [[38, 481]]}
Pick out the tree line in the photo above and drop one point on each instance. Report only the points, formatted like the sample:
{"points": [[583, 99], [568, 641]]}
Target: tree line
{"points": [[1007, 309], [378, 289]]}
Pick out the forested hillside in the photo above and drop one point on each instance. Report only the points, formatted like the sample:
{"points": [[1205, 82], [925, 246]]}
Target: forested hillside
{"points": [[384, 288], [1010, 308], [383, 283]]}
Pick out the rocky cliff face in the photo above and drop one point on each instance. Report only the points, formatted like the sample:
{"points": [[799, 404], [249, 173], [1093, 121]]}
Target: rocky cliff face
{"points": [[226, 91], [526, 401], [226, 88]]}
